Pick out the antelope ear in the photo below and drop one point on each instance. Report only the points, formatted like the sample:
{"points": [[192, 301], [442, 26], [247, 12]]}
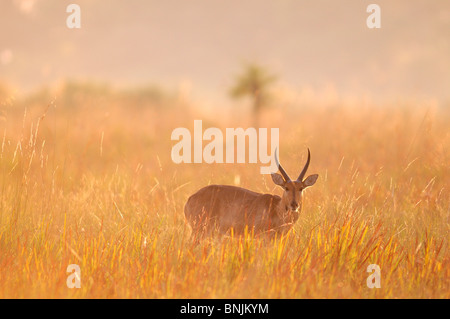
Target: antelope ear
{"points": [[277, 179], [310, 180]]}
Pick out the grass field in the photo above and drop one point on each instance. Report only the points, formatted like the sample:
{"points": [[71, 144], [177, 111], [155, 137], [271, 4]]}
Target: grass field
{"points": [[92, 183]]}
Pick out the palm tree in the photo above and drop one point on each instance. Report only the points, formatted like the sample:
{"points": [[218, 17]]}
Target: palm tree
{"points": [[253, 82]]}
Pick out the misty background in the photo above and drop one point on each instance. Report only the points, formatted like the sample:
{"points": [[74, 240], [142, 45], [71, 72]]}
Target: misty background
{"points": [[314, 47]]}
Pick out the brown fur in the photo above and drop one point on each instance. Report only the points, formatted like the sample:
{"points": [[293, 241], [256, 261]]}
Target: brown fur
{"points": [[224, 208]]}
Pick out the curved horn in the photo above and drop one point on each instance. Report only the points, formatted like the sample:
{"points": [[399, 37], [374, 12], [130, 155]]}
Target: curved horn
{"points": [[302, 174], [282, 171]]}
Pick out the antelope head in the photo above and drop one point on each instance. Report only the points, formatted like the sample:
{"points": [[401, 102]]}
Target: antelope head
{"points": [[291, 200]]}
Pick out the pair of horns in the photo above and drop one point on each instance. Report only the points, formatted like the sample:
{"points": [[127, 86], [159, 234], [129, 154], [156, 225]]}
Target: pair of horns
{"points": [[286, 176]]}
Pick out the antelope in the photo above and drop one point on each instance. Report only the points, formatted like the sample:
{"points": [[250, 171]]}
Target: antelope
{"points": [[224, 207]]}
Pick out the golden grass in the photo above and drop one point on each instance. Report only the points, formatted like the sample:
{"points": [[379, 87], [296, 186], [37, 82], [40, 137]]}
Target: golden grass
{"points": [[94, 185]]}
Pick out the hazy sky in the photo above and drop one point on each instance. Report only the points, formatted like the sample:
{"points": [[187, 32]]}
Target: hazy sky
{"points": [[307, 43]]}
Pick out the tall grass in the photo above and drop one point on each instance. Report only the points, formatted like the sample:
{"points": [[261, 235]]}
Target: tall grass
{"points": [[94, 185]]}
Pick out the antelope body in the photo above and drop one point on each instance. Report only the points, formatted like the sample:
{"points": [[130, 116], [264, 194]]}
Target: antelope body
{"points": [[223, 207]]}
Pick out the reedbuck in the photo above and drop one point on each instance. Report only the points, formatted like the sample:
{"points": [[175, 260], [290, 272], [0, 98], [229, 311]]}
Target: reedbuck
{"points": [[222, 207]]}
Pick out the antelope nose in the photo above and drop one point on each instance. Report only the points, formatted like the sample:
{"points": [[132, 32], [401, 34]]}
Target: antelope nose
{"points": [[294, 206]]}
